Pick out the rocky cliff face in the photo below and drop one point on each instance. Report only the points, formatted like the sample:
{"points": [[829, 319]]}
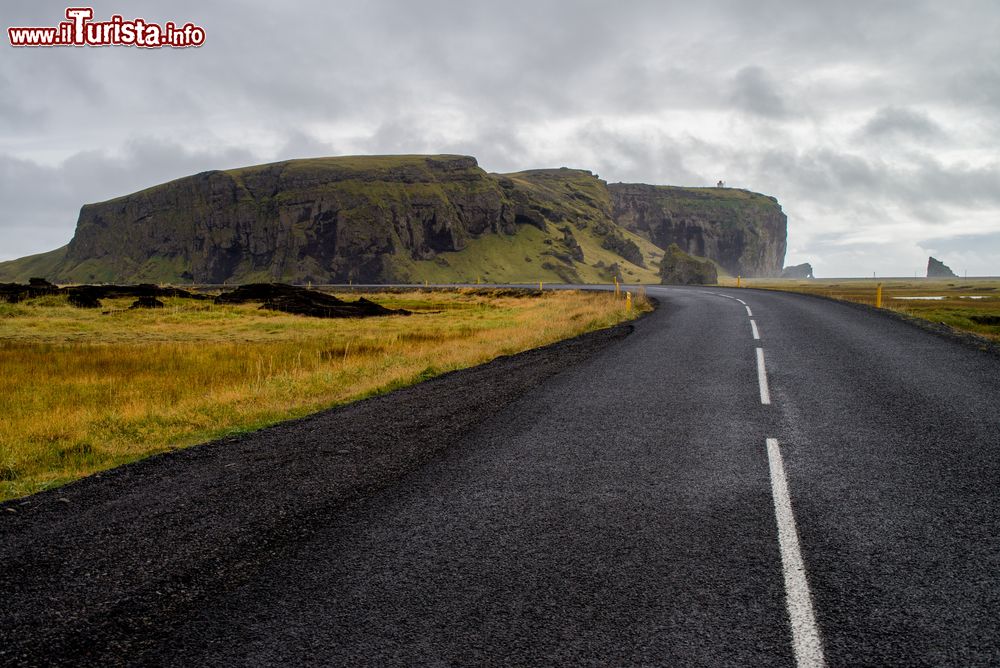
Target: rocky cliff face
{"points": [[323, 220], [407, 219], [744, 232]]}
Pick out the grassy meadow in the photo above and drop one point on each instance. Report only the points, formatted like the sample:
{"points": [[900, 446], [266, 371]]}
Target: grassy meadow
{"points": [[85, 390], [965, 304]]}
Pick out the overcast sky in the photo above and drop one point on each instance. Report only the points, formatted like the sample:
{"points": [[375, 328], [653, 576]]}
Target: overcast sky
{"points": [[875, 124]]}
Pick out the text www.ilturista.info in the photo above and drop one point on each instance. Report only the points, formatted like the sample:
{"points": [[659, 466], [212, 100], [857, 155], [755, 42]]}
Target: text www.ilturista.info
{"points": [[80, 30]]}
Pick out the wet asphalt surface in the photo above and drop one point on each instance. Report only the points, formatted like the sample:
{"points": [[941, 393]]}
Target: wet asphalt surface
{"points": [[605, 501]]}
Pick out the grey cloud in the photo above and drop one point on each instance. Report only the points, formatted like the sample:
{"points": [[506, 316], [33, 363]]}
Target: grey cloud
{"points": [[977, 85], [301, 144], [821, 173], [623, 156], [495, 144], [17, 113], [39, 204], [650, 90], [957, 184], [498, 147], [896, 122], [97, 176], [985, 243], [755, 91], [836, 177]]}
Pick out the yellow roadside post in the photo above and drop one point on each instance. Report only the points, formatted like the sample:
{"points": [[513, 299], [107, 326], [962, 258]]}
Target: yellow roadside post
{"points": [[618, 288], [539, 286], [878, 296], [739, 281], [628, 302]]}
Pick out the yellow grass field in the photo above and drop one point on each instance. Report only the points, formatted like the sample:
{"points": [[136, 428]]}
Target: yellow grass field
{"points": [[82, 391], [965, 304]]}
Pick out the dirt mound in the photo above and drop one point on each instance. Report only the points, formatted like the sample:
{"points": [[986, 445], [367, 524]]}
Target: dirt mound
{"points": [[16, 292], [257, 292], [301, 301], [146, 302], [140, 290], [88, 296], [83, 299], [503, 292]]}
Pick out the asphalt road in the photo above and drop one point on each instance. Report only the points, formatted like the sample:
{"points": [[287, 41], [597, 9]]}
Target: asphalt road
{"points": [[661, 498]]}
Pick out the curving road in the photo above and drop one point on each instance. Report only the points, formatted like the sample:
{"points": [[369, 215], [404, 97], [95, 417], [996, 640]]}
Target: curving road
{"points": [[748, 478]]}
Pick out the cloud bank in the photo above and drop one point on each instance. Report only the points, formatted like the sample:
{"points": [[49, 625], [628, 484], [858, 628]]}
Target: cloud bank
{"points": [[876, 125]]}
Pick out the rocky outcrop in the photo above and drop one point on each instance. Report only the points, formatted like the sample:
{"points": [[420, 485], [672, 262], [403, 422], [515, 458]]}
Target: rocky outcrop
{"points": [[624, 247], [679, 268], [392, 218], [743, 231], [572, 245], [800, 271], [938, 269]]}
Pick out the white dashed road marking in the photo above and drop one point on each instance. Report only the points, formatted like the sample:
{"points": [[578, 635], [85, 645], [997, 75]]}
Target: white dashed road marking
{"points": [[765, 393], [805, 635], [806, 641]]}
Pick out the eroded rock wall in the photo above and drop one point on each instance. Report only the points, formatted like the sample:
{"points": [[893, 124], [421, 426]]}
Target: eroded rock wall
{"points": [[322, 220], [744, 232]]}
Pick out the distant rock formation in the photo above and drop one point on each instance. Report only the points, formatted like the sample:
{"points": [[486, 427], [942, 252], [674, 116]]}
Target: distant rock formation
{"points": [[938, 269], [803, 270], [679, 268], [745, 232]]}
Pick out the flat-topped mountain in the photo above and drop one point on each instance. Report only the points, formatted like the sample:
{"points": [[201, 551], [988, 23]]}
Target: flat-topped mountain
{"points": [[407, 219]]}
